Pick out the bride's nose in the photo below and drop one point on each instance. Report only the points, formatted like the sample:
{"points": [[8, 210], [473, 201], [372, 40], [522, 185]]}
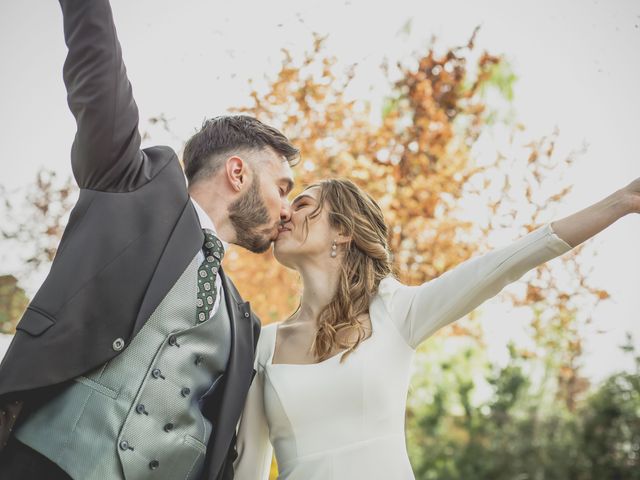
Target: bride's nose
{"points": [[285, 212]]}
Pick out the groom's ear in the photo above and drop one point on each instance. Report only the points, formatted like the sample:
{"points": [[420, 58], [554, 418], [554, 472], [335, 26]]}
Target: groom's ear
{"points": [[236, 173]]}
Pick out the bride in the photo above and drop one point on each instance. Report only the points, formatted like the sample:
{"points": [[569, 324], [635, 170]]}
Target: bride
{"points": [[331, 385]]}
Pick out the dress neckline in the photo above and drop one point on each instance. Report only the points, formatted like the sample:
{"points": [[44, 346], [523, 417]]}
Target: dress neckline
{"points": [[326, 360]]}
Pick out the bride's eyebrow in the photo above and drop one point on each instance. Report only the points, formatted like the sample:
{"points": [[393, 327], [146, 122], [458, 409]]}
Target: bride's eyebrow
{"points": [[299, 198]]}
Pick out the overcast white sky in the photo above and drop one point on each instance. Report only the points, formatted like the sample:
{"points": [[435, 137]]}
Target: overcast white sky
{"points": [[577, 63]]}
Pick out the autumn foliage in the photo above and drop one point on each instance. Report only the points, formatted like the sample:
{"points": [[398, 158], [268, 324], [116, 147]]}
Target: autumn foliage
{"points": [[416, 158]]}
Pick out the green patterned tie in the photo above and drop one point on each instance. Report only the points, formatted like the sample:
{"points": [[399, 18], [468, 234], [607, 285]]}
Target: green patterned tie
{"points": [[207, 273]]}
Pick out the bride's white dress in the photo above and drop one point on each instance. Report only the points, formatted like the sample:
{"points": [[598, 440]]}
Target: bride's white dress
{"points": [[330, 421]]}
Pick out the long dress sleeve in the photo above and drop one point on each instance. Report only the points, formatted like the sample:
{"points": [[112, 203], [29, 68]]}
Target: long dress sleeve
{"points": [[252, 444], [419, 311]]}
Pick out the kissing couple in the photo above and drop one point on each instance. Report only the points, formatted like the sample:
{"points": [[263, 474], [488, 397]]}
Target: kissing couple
{"points": [[138, 359]]}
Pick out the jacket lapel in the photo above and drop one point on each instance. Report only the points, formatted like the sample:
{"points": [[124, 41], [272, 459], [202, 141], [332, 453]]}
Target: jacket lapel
{"points": [[238, 377], [183, 244]]}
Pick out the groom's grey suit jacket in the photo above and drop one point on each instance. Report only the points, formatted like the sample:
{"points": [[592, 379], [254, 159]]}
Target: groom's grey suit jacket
{"points": [[130, 236]]}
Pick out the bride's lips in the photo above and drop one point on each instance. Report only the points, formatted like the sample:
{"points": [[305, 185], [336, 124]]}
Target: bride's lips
{"points": [[283, 230]]}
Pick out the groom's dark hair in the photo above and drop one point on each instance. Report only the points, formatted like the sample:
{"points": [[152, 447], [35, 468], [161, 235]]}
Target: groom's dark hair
{"points": [[205, 152]]}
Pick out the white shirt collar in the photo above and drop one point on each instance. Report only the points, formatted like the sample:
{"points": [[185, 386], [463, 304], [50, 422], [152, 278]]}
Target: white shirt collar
{"points": [[206, 222]]}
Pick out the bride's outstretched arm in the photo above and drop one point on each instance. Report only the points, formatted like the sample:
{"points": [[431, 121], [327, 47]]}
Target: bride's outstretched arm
{"points": [[582, 225], [419, 311], [253, 445]]}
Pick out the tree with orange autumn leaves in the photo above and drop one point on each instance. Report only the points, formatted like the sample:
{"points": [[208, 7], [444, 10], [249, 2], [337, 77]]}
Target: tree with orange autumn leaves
{"points": [[418, 163]]}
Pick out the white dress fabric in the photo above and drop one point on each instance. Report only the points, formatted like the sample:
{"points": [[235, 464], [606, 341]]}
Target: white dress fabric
{"points": [[330, 421]]}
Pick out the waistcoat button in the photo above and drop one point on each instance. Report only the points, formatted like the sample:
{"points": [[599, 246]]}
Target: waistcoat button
{"points": [[198, 360], [185, 391], [153, 464], [156, 373], [173, 341], [124, 445], [118, 344], [168, 427], [140, 408], [246, 314]]}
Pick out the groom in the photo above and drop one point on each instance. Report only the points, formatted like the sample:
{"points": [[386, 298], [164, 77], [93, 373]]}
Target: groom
{"points": [[135, 356]]}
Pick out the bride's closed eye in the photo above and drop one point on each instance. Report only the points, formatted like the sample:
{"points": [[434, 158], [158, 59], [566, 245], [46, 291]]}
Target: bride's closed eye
{"points": [[302, 201], [300, 204]]}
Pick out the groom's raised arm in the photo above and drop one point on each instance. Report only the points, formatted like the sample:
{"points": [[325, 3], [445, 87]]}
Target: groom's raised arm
{"points": [[106, 150]]}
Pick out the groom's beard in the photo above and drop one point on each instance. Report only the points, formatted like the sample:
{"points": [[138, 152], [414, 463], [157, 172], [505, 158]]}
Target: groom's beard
{"points": [[247, 215]]}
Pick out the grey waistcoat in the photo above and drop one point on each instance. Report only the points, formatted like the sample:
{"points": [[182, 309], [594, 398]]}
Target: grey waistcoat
{"points": [[138, 416]]}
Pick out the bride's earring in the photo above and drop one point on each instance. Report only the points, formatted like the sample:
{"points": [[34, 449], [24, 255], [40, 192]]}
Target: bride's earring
{"points": [[334, 249]]}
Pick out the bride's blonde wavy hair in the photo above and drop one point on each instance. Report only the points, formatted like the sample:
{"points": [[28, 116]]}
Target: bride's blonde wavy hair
{"points": [[366, 260]]}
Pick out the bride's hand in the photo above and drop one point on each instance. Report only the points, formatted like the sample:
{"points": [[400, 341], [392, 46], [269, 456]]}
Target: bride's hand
{"points": [[631, 194]]}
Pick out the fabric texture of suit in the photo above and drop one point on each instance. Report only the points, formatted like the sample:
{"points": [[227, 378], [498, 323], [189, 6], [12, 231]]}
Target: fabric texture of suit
{"points": [[131, 234]]}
